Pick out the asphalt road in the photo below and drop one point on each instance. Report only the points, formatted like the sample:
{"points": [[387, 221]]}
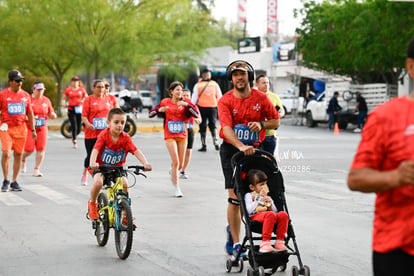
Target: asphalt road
{"points": [[43, 230]]}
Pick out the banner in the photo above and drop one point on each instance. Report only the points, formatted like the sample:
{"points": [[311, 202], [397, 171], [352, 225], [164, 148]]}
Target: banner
{"points": [[284, 52], [241, 10], [249, 45], [272, 24]]}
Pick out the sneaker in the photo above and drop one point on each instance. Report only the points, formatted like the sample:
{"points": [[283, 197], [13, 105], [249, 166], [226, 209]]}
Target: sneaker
{"points": [[217, 147], [266, 247], [178, 192], [183, 175], [84, 181], [125, 222], [203, 148], [75, 144], [93, 210], [280, 246], [23, 168], [14, 186], [236, 249], [5, 186], [229, 242], [357, 130], [37, 173]]}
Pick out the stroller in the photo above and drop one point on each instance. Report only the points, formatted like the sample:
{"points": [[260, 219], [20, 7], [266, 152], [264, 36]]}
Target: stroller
{"points": [[264, 161]]}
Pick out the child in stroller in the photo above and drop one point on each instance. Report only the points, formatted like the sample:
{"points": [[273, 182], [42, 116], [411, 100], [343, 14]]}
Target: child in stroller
{"points": [[262, 257], [261, 208]]}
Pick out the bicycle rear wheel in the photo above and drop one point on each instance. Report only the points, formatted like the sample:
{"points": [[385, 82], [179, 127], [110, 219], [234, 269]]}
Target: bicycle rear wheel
{"points": [[124, 230], [102, 225]]}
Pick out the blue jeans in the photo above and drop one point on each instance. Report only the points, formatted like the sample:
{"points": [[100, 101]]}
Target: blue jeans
{"points": [[331, 121], [362, 115], [269, 144]]}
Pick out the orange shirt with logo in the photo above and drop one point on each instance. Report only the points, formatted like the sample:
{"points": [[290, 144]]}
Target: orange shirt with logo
{"points": [[234, 112], [387, 140], [14, 107], [96, 111], [75, 96]]}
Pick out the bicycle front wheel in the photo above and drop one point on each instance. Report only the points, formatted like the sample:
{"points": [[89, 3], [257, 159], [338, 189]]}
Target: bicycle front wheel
{"points": [[124, 230], [102, 225]]}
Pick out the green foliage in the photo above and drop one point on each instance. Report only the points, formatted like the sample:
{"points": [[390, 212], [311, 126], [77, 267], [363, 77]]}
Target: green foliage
{"points": [[58, 38], [364, 40]]}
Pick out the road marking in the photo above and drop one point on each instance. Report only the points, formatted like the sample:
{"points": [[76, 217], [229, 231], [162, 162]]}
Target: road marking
{"points": [[316, 194], [52, 195], [11, 199]]}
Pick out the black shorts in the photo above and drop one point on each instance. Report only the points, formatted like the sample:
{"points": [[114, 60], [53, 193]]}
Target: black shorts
{"points": [[396, 262], [226, 153], [190, 139]]}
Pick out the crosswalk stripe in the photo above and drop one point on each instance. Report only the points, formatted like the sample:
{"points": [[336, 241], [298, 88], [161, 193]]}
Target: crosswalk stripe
{"points": [[50, 194], [11, 199]]}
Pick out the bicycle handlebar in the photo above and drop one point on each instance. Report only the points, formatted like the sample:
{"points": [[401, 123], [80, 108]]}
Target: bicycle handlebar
{"points": [[136, 168]]}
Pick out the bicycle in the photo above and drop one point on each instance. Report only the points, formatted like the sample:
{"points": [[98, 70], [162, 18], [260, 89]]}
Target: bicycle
{"points": [[114, 209]]}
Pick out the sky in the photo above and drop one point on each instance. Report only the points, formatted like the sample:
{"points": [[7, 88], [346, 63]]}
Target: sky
{"points": [[257, 13]]}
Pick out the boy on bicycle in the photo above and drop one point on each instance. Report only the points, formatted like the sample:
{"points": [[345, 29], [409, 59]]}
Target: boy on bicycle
{"points": [[111, 148]]}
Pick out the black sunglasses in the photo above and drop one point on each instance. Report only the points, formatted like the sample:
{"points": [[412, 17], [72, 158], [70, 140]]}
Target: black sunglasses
{"points": [[18, 80], [107, 86]]}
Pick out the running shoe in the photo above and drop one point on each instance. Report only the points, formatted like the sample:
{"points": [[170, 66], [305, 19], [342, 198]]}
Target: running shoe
{"points": [[75, 144], [37, 173], [178, 192], [236, 249], [5, 186], [93, 210], [229, 242], [14, 186], [280, 246], [84, 181], [266, 247], [183, 175]]}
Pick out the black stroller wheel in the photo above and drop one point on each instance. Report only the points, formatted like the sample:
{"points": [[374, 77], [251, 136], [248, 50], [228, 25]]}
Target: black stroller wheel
{"points": [[295, 271], [261, 271], [241, 264], [282, 268], [306, 270], [229, 265]]}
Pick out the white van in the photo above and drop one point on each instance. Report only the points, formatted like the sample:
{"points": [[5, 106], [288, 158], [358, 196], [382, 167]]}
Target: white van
{"points": [[146, 98]]}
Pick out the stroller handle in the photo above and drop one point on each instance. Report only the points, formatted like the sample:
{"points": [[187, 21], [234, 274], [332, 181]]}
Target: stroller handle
{"points": [[239, 155]]}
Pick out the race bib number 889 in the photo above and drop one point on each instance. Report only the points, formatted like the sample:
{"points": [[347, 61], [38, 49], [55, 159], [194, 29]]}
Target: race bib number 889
{"points": [[176, 126]]}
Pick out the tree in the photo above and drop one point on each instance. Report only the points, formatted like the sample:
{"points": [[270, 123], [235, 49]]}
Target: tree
{"points": [[100, 36], [364, 40]]}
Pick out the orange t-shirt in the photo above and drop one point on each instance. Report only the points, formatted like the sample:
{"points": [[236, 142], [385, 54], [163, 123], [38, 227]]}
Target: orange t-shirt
{"points": [[41, 108], [175, 119], [236, 113], [387, 140], [96, 111], [75, 96], [14, 107]]}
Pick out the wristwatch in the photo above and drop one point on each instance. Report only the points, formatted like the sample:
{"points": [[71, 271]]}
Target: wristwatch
{"points": [[262, 124], [33, 130]]}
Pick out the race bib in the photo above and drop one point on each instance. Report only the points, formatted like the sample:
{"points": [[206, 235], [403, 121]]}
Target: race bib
{"points": [[245, 135], [99, 123], [16, 108], [176, 126], [77, 109], [39, 122], [111, 157]]}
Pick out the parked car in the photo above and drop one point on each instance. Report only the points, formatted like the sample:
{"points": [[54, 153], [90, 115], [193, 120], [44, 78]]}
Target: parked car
{"points": [[146, 98]]}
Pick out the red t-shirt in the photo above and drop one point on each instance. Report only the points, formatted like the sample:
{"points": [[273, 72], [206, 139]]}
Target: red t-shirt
{"points": [[387, 140], [236, 113], [175, 119], [113, 100], [75, 96], [41, 108], [96, 111], [14, 106], [111, 153]]}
